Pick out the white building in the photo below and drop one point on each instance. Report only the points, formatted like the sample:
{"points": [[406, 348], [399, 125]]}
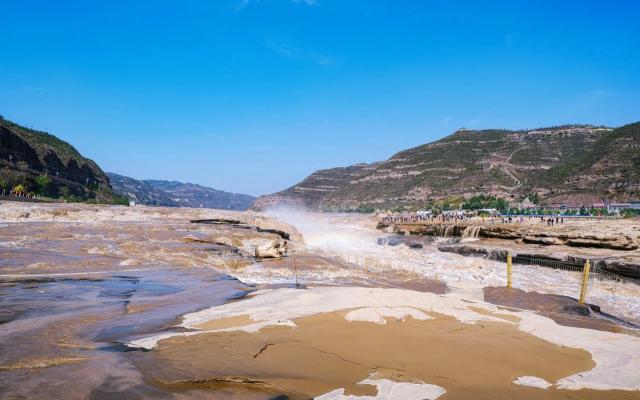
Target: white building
{"points": [[526, 204], [634, 205]]}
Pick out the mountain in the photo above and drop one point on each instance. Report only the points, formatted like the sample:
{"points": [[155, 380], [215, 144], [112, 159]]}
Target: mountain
{"points": [[611, 167], [572, 163], [177, 194], [141, 192], [44, 164]]}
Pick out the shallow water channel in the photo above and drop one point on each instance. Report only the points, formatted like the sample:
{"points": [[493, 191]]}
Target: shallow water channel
{"points": [[60, 336]]}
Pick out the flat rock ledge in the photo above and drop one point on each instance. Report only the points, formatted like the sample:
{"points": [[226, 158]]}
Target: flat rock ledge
{"points": [[515, 232]]}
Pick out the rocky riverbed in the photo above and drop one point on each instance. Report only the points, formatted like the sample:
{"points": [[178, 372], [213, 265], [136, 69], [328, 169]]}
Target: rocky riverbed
{"points": [[83, 287], [612, 245]]}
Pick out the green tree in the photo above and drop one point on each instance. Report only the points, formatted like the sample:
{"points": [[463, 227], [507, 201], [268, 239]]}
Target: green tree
{"points": [[119, 200], [64, 192], [365, 209], [485, 201], [43, 182]]}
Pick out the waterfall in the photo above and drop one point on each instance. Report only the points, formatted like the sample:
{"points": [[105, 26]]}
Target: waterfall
{"points": [[471, 232], [449, 230]]}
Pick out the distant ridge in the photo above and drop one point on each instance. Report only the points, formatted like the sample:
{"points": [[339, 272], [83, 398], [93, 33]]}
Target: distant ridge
{"points": [[570, 163], [177, 194]]}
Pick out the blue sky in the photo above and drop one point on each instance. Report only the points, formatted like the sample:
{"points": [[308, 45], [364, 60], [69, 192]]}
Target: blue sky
{"points": [[253, 95]]}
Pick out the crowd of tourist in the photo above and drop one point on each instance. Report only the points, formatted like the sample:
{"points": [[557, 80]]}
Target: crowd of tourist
{"points": [[550, 220]]}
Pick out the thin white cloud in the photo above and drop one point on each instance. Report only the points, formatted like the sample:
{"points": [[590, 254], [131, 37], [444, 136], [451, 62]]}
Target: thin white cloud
{"points": [[473, 122], [33, 88], [242, 4], [589, 101], [295, 53], [597, 93], [213, 136]]}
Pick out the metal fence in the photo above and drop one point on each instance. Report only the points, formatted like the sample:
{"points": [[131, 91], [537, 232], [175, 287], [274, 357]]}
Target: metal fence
{"points": [[557, 264], [614, 294]]}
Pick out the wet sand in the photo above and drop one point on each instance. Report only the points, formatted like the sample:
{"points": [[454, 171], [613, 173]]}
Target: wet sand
{"points": [[564, 310], [326, 352]]}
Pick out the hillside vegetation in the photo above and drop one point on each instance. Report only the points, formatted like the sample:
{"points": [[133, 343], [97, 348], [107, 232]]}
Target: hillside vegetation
{"points": [[38, 162], [572, 163]]}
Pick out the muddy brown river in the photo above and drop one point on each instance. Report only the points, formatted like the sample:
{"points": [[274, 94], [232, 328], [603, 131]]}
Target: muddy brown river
{"points": [[62, 337], [79, 282], [72, 292]]}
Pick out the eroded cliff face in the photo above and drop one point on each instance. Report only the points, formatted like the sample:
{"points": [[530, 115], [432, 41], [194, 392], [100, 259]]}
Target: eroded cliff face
{"points": [[313, 191], [26, 154], [561, 164]]}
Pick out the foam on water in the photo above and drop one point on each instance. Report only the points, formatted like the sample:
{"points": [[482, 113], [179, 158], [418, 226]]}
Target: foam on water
{"points": [[354, 239], [390, 390], [532, 381]]}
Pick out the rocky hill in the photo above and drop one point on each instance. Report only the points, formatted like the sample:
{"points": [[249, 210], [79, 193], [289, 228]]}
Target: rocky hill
{"points": [[139, 191], [573, 163], [44, 164], [611, 167], [177, 194]]}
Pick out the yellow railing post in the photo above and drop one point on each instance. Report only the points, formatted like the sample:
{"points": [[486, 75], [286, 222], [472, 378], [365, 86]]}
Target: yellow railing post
{"points": [[585, 281], [295, 267], [509, 270]]}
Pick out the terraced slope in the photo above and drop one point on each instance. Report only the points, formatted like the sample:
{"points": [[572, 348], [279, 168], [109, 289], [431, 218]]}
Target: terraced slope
{"points": [[611, 167], [549, 161], [317, 187]]}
